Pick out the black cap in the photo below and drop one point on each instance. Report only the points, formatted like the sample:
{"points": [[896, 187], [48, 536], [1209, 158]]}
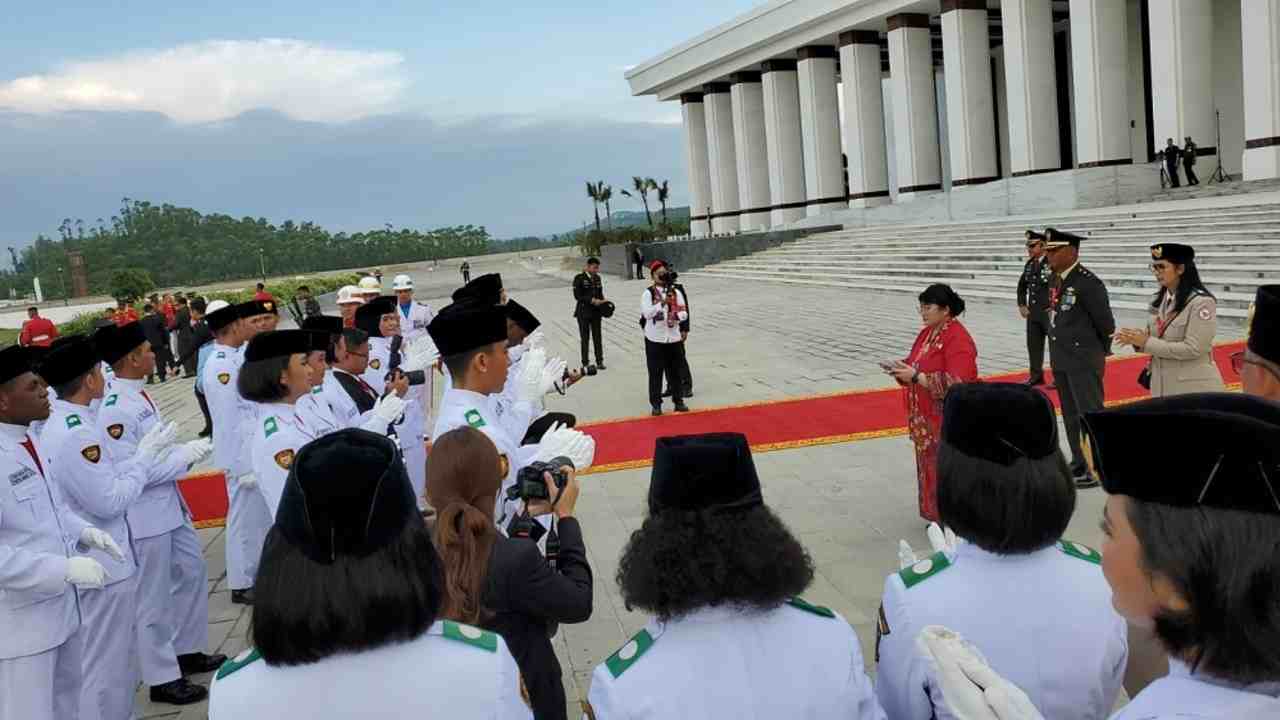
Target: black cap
{"points": [[114, 343], [467, 325], [222, 317], [254, 308], [323, 324], [356, 517], [1055, 238], [1215, 450], [1264, 327], [1173, 252], [593, 260], [999, 422], [486, 289], [369, 315], [278, 343], [703, 472], [14, 361], [1033, 236], [69, 359], [521, 316]]}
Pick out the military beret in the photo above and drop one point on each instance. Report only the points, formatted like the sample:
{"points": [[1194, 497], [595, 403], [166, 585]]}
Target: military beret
{"points": [[1221, 450], [369, 315], [999, 422], [1173, 252], [365, 512], [14, 361], [467, 325], [323, 324], [1264, 328], [69, 359], [713, 471], [1055, 238], [486, 288], [521, 316], [114, 343], [278, 343]]}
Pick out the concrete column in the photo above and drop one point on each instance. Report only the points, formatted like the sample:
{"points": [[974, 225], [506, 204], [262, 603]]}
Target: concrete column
{"points": [[1030, 86], [1260, 29], [1100, 78], [971, 105], [864, 139], [915, 105], [784, 141], [820, 130], [722, 158], [747, 96], [1182, 61], [695, 145]]}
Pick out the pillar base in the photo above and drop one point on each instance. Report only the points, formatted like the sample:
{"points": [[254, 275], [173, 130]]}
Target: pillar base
{"points": [[866, 201], [909, 194], [699, 228], [1262, 163]]}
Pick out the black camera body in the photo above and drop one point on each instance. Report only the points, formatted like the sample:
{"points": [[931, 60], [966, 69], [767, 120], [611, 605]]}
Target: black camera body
{"points": [[530, 483], [670, 277]]}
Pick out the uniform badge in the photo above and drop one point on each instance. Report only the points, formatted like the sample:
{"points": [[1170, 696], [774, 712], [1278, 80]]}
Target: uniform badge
{"points": [[224, 378], [270, 427], [474, 418], [93, 453], [115, 431], [21, 476], [221, 355], [111, 400], [284, 458], [1206, 313], [73, 420], [505, 464], [618, 662], [269, 307], [376, 364]]}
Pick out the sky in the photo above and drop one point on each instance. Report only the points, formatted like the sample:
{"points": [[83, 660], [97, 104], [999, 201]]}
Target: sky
{"points": [[353, 115]]}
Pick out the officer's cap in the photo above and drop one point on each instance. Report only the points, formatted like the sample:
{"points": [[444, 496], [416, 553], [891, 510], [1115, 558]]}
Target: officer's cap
{"points": [[999, 422], [1034, 237], [14, 361], [467, 325], [1055, 238], [486, 288], [704, 472], [114, 343], [69, 359], [347, 495], [1218, 450], [254, 308], [521, 316], [1175, 253], [1264, 328], [323, 324], [402, 282], [218, 314], [369, 315], [278, 343]]}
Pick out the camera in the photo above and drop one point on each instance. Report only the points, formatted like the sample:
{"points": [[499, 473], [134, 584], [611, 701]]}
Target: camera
{"points": [[671, 276], [530, 483]]}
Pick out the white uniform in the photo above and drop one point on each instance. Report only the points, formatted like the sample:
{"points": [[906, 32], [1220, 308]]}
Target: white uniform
{"points": [[100, 490], [345, 411], [40, 640], [278, 434], [414, 320], [247, 517], [513, 415], [1044, 621], [411, 429], [451, 672], [316, 414], [173, 582], [1182, 695], [464, 408], [796, 661]]}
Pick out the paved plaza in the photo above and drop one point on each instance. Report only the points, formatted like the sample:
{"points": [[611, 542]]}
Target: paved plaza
{"points": [[848, 503]]}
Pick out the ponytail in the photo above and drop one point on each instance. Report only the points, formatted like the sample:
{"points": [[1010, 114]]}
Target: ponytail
{"points": [[464, 539]]}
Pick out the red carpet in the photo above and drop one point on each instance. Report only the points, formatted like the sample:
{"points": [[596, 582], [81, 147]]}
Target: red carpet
{"points": [[773, 425]]}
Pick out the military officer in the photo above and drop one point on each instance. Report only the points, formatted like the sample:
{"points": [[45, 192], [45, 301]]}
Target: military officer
{"points": [[588, 291], [1015, 572], [737, 642], [1033, 303], [41, 646], [1080, 328], [173, 590], [247, 518], [414, 316], [1258, 365]]}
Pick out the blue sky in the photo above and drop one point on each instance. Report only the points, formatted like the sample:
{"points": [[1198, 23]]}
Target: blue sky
{"points": [[484, 112]]}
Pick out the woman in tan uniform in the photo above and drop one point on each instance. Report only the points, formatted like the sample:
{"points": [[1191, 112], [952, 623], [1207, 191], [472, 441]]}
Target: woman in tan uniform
{"points": [[1179, 335]]}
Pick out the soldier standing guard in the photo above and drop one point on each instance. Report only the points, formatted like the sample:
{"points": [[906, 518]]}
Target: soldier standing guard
{"points": [[1033, 303], [588, 291], [1080, 328]]}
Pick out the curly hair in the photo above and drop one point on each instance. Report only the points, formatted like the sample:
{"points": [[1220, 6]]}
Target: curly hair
{"points": [[680, 561]]}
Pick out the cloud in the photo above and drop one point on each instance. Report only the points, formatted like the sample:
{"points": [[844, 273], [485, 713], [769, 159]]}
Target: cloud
{"points": [[220, 79]]}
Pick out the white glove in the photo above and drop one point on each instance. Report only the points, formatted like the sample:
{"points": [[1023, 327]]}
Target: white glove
{"points": [[195, 451], [576, 445], [538, 376], [385, 412], [970, 688], [247, 481], [86, 573], [157, 440], [906, 556], [535, 340], [422, 354], [100, 540], [940, 539]]}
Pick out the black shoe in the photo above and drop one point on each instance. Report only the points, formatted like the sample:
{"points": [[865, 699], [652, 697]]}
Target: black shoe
{"points": [[1034, 381], [242, 597], [600, 366], [179, 692], [1085, 481], [681, 407], [656, 410], [196, 663]]}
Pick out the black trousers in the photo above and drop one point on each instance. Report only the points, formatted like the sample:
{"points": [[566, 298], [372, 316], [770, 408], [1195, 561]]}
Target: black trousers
{"points": [[466, 276], [686, 377], [164, 360], [590, 327], [663, 359], [1172, 171], [639, 269], [1081, 392], [539, 427], [204, 410], [1037, 331], [1191, 174]]}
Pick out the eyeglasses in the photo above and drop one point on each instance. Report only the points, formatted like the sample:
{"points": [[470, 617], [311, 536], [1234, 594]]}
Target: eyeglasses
{"points": [[1159, 267], [363, 355]]}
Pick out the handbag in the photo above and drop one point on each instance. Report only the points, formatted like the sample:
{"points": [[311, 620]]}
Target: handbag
{"points": [[1144, 377]]}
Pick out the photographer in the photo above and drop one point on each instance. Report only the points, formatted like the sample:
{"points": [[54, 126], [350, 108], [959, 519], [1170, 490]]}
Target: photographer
{"points": [[505, 584], [662, 310], [588, 290]]}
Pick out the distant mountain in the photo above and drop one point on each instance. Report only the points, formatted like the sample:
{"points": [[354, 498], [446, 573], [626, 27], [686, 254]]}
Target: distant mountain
{"points": [[629, 218]]}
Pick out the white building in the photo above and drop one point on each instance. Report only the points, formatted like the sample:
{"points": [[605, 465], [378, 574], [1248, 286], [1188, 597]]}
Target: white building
{"points": [[810, 111]]}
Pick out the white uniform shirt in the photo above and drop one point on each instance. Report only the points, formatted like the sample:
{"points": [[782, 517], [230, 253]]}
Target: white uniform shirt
{"points": [[1182, 695], [278, 434], [345, 410], [511, 413], [315, 412], [96, 487], [231, 413], [655, 314], [126, 415], [413, 324], [796, 661], [1044, 621], [38, 609], [464, 408], [451, 672], [413, 424]]}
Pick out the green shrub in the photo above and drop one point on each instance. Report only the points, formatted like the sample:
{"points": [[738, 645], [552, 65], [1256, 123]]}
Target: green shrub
{"points": [[131, 284]]}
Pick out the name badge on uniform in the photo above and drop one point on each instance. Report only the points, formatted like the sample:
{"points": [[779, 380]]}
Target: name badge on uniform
{"points": [[1068, 300], [21, 476]]}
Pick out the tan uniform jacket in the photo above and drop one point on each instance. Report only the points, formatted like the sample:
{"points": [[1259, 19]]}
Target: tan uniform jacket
{"points": [[1182, 360]]}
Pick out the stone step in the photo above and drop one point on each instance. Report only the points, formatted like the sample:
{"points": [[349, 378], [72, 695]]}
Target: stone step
{"points": [[1134, 257], [1233, 272], [1263, 233]]}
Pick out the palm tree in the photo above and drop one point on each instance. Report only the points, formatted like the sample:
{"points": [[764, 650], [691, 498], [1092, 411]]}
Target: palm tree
{"points": [[664, 193], [643, 186], [593, 192], [606, 194]]}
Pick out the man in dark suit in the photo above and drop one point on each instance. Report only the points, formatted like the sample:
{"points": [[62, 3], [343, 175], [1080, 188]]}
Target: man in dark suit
{"points": [[1189, 161], [1033, 303], [588, 290], [182, 329], [155, 329], [1080, 328], [1172, 155]]}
